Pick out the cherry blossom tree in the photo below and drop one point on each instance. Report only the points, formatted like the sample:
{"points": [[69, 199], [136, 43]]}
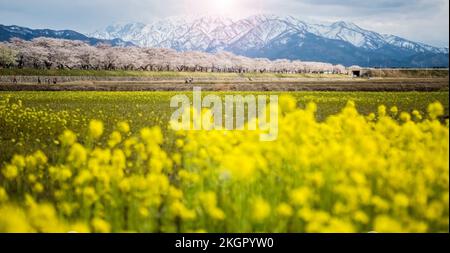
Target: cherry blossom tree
{"points": [[66, 54], [7, 56]]}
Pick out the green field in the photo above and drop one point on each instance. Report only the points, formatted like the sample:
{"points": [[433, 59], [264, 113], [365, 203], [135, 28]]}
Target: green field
{"points": [[73, 110], [383, 73]]}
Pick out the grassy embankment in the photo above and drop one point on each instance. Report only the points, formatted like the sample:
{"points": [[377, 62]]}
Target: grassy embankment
{"points": [[153, 74]]}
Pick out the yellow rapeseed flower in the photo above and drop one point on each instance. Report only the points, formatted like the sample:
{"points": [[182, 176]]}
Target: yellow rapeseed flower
{"points": [[435, 110], [10, 171], [67, 138], [95, 129], [386, 224], [77, 155], [114, 139], [3, 195], [260, 209], [284, 210], [123, 127], [100, 226]]}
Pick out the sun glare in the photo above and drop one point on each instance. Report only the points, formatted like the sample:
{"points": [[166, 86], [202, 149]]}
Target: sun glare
{"points": [[222, 6]]}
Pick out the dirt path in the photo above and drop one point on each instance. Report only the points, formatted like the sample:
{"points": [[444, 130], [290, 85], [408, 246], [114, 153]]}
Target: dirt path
{"points": [[410, 84]]}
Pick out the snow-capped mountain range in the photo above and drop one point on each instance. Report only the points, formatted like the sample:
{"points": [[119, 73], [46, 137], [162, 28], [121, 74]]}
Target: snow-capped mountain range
{"points": [[275, 37], [13, 31]]}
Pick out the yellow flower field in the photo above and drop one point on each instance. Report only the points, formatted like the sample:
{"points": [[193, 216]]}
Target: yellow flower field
{"points": [[387, 171]]}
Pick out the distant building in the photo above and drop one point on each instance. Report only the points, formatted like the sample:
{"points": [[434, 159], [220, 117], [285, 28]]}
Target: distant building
{"points": [[357, 71]]}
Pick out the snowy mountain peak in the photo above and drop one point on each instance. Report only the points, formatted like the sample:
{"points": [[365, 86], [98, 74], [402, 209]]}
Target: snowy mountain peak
{"points": [[255, 33], [348, 25]]}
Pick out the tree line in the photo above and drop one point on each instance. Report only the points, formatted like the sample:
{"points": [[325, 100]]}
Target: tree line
{"points": [[48, 53]]}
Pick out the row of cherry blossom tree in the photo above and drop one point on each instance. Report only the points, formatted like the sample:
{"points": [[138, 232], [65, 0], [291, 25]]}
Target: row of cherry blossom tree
{"points": [[47, 53]]}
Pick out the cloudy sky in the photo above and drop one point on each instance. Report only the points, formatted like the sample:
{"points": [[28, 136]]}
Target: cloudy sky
{"points": [[419, 20]]}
